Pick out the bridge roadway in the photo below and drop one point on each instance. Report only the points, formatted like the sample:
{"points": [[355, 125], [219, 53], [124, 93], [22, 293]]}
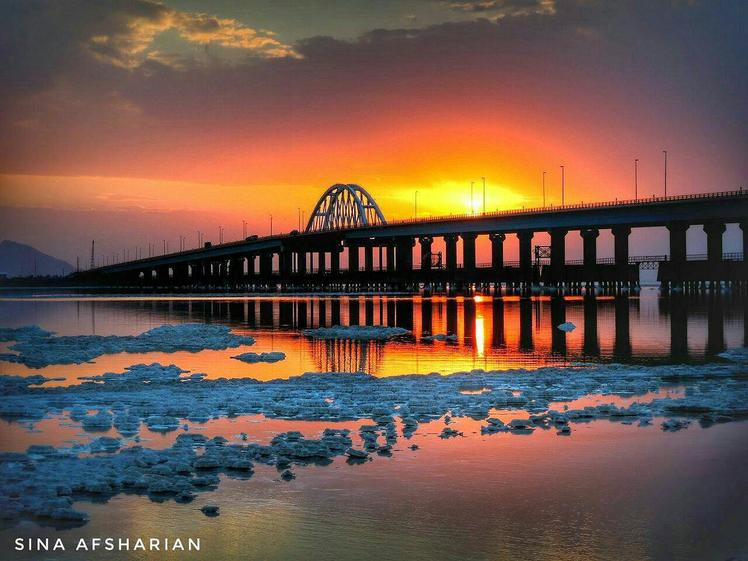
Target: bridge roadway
{"points": [[286, 261]]}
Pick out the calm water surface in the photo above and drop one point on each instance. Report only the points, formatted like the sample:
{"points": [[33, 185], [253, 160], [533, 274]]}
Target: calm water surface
{"points": [[609, 491]]}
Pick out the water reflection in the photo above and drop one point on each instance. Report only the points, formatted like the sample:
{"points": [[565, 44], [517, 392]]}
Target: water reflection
{"points": [[485, 332]]}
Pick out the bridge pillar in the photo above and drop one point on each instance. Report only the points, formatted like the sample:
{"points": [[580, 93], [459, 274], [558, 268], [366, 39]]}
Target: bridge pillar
{"points": [[468, 251], [589, 252], [677, 242], [335, 260], [714, 231], [497, 251], [251, 265], [368, 258], [353, 263], [450, 241], [558, 254], [405, 254], [621, 245], [390, 257], [180, 275], [321, 261], [525, 254], [425, 242], [285, 263], [266, 264]]}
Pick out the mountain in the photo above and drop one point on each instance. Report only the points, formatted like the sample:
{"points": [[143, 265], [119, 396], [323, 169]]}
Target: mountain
{"points": [[19, 260]]}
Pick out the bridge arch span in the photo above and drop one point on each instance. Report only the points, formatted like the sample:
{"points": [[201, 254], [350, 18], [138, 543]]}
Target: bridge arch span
{"points": [[344, 205]]}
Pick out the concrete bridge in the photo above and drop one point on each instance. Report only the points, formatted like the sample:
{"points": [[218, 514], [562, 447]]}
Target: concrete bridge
{"points": [[348, 245]]}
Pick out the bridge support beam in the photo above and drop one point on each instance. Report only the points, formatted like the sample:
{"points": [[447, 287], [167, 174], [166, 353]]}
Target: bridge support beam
{"points": [[266, 265], [251, 265], [368, 258], [468, 251], [497, 252], [558, 254], [425, 242], [321, 262], [714, 231], [335, 260], [390, 253], [525, 255], [285, 263], [450, 241], [621, 246], [589, 252], [405, 254], [353, 263], [677, 242]]}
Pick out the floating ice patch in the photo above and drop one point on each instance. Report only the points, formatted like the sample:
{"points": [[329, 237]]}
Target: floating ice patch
{"points": [[42, 482], [567, 326], [439, 337], [38, 348], [22, 333], [736, 355], [260, 357], [357, 332], [154, 373]]}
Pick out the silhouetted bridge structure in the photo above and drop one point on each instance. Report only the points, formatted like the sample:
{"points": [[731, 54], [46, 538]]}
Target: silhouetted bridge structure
{"points": [[348, 245]]}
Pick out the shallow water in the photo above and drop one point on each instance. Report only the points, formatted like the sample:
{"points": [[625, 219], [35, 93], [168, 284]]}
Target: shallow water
{"points": [[491, 333], [609, 491]]}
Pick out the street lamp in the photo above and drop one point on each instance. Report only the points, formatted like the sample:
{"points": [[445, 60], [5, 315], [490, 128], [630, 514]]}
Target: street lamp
{"points": [[544, 189], [484, 194], [472, 208], [562, 186], [636, 179]]}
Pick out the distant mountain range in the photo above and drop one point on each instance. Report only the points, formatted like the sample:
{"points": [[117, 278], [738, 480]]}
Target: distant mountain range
{"points": [[19, 260]]}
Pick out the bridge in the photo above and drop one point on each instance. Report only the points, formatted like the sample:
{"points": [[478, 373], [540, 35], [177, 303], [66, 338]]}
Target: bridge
{"points": [[349, 245]]}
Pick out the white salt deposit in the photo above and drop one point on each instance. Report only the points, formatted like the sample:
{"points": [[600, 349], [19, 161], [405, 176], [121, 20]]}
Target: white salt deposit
{"points": [[37, 348], [357, 332], [252, 358]]}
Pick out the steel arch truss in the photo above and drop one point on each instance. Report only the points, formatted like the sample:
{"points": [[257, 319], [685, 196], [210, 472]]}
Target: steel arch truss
{"points": [[345, 206]]}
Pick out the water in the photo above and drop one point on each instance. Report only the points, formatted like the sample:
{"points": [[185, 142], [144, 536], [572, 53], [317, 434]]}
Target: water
{"points": [[491, 333], [608, 492]]}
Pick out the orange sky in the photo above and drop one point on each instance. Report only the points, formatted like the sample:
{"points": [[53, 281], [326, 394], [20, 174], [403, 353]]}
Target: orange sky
{"points": [[119, 129]]}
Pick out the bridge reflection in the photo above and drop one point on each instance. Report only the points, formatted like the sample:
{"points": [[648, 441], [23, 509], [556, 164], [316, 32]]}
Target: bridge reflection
{"points": [[502, 332]]}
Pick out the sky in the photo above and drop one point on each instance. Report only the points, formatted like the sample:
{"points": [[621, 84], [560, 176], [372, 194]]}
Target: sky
{"points": [[134, 121]]}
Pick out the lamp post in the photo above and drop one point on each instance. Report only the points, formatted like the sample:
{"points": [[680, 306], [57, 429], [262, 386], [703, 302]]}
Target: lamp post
{"points": [[636, 179], [472, 208], [562, 186], [484, 194], [544, 189]]}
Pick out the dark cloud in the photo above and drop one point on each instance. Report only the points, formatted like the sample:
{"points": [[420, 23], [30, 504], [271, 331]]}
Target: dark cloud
{"points": [[86, 90]]}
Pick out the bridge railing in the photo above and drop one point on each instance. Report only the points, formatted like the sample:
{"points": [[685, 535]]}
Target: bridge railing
{"points": [[577, 206]]}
